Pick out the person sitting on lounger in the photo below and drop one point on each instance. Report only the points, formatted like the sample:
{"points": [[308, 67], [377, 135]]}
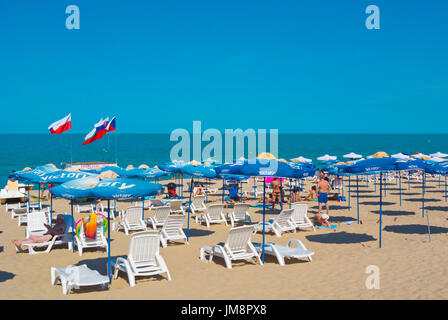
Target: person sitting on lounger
{"points": [[59, 228], [233, 196], [198, 190], [172, 194]]}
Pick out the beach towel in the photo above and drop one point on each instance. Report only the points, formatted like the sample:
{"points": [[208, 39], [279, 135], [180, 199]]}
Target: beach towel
{"points": [[333, 226]]}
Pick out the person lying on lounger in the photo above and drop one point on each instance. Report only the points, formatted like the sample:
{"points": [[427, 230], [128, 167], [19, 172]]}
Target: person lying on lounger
{"points": [[59, 228]]}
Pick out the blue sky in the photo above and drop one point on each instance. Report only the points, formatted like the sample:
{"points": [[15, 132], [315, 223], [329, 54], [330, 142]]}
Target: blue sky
{"points": [[297, 66]]}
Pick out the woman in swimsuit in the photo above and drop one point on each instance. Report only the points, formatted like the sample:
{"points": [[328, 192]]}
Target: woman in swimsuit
{"points": [[276, 192]]}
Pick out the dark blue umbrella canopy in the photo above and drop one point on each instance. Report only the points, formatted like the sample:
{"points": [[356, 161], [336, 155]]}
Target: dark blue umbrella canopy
{"points": [[62, 176], [173, 167], [109, 189], [144, 173], [267, 168], [418, 164], [33, 176], [370, 166], [201, 171]]}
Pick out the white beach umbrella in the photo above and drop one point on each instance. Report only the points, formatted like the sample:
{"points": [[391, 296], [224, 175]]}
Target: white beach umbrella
{"points": [[438, 159], [419, 155], [352, 155], [327, 158], [400, 156], [301, 159], [438, 155]]}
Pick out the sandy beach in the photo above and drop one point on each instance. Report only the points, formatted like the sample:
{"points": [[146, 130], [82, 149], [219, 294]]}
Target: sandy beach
{"points": [[411, 266]]}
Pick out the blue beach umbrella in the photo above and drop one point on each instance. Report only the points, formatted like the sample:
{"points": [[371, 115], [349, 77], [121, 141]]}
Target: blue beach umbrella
{"points": [[372, 166], [108, 189], [266, 168], [201, 171]]}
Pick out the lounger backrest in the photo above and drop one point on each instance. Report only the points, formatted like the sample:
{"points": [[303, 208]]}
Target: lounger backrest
{"points": [[198, 203], [36, 221], [133, 215], [300, 210], [176, 205], [69, 223], [238, 238], [173, 224], [156, 203], [215, 210], [284, 217], [143, 248], [162, 213], [240, 210]]}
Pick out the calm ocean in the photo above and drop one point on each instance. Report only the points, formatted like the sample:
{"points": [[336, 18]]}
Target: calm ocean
{"points": [[31, 150]]}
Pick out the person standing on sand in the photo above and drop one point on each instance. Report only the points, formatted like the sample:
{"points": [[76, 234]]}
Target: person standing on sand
{"points": [[276, 192], [323, 188]]}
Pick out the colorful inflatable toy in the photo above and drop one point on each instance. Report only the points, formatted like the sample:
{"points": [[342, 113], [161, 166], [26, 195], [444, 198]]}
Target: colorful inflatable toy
{"points": [[90, 225]]}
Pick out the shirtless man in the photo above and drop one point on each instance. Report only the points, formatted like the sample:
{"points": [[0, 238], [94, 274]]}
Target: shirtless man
{"points": [[323, 188], [276, 192]]}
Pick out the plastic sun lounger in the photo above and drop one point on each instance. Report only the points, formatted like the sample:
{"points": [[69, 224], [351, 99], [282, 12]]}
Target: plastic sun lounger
{"points": [[238, 246], [77, 276], [282, 252]]}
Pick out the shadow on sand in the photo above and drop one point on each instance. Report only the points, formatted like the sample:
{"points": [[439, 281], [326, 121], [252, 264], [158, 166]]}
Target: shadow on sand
{"points": [[340, 237], [394, 213], [5, 276], [415, 229]]}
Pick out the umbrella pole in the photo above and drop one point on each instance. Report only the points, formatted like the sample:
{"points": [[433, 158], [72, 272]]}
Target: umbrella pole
{"points": [[182, 186], [357, 197], [381, 203], [281, 195], [399, 178], [109, 273], [290, 192], [73, 226], [264, 214], [143, 208], [223, 191], [445, 190], [189, 209], [349, 193], [409, 180], [423, 196], [255, 187], [39, 195], [241, 191], [51, 207], [28, 197], [206, 199], [374, 181]]}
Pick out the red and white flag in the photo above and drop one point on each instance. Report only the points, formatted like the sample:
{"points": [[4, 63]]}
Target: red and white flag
{"points": [[61, 125], [97, 132]]}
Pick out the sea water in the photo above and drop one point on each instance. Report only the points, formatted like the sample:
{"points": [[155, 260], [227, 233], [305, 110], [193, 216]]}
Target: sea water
{"points": [[31, 150]]}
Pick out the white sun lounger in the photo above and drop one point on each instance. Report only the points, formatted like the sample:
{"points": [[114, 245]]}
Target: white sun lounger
{"points": [[132, 221], [143, 257], [77, 276], [172, 229], [198, 205], [160, 216], [282, 223], [176, 206], [238, 246], [60, 239], [82, 242], [282, 252], [214, 214], [299, 216], [240, 213]]}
